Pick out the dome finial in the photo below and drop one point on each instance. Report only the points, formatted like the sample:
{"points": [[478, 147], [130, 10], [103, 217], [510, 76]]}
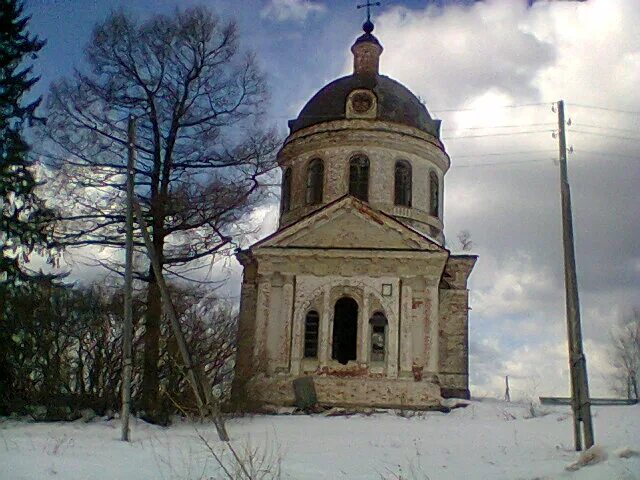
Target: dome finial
{"points": [[368, 25]]}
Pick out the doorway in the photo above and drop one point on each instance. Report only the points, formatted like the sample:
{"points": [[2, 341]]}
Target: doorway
{"points": [[345, 330]]}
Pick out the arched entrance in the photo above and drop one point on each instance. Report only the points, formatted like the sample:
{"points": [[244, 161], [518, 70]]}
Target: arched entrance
{"points": [[345, 330]]}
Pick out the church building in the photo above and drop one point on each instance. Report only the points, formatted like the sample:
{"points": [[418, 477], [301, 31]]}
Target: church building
{"points": [[356, 288]]}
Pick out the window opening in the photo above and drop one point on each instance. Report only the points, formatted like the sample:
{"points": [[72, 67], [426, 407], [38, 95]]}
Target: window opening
{"points": [[345, 330], [315, 180], [359, 177], [378, 337], [434, 189], [311, 323], [403, 183], [286, 191]]}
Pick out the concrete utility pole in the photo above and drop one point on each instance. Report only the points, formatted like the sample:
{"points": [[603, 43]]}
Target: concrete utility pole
{"points": [[580, 400], [507, 394], [128, 287]]}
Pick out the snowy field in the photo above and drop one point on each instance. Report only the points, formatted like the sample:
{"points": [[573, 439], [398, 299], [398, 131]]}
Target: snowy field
{"points": [[487, 440]]}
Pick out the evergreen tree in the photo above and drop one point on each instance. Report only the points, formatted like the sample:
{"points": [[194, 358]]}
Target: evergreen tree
{"points": [[24, 220]]}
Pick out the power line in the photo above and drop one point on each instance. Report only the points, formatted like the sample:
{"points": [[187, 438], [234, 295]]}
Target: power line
{"points": [[532, 160], [495, 154], [445, 110], [508, 126], [497, 134], [595, 107], [632, 139], [493, 107], [500, 164], [606, 154], [629, 130]]}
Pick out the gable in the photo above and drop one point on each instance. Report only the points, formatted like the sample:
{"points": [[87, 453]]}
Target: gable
{"points": [[349, 224]]}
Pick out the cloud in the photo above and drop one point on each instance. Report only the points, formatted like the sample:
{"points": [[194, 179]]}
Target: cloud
{"points": [[452, 53], [477, 59], [296, 10]]}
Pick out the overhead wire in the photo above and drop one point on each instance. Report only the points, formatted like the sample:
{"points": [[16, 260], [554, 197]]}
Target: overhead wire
{"points": [[629, 130], [495, 107], [526, 132], [497, 134], [608, 109], [501, 164], [619, 137], [606, 154], [548, 124], [495, 154], [447, 110]]}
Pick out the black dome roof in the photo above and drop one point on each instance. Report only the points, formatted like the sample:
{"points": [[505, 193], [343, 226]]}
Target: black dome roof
{"points": [[396, 104]]}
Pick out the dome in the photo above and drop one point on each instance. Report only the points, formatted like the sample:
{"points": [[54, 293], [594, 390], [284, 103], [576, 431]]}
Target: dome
{"points": [[395, 102]]}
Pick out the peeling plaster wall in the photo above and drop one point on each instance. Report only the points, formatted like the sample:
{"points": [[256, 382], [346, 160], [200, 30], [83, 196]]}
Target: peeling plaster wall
{"points": [[321, 294], [351, 391], [384, 144], [405, 378], [426, 306], [454, 341]]}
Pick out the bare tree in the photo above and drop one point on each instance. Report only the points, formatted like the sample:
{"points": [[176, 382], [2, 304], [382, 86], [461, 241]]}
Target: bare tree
{"points": [[464, 238], [625, 355], [202, 150]]}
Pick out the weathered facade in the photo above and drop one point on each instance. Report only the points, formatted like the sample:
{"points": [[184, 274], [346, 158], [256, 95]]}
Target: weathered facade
{"points": [[355, 288]]}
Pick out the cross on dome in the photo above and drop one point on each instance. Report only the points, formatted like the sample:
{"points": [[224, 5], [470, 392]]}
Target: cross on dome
{"points": [[368, 25]]}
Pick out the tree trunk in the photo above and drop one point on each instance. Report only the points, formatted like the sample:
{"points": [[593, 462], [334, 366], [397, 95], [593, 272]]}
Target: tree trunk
{"points": [[151, 338]]}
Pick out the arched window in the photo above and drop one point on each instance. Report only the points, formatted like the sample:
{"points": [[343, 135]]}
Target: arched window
{"points": [[315, 180], [285, 204], [378, 337], [359, 177], [311, 323], [345, 330], [434, 191], [403, 183]]}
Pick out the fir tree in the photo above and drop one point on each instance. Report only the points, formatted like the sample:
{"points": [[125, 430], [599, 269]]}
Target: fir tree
{"points": [[24, 219]]}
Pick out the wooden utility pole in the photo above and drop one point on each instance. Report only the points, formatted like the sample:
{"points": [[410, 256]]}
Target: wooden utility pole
{"points": [[577, 362], [128, 287]]}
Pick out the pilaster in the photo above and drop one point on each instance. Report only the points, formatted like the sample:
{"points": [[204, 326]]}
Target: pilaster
{"points": [[406, 354], [324, 351], [433, 326], [262, 318]]}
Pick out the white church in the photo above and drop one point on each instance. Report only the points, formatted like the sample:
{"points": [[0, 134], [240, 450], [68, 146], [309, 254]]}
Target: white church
{"points": [[356, 288]]}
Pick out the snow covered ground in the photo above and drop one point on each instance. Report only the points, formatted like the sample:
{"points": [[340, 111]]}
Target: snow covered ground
{"points": [[487, 440]]}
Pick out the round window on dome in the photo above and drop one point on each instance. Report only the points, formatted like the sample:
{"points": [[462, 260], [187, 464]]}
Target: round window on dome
{"points": [[361, 104]]}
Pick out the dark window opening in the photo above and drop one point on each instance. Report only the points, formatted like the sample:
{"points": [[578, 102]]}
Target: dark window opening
{"points": [[311, 324], [378, 337], [315, 180], [345, 330], [434, 189], [285, 205], [403, 183], [359, 177]]}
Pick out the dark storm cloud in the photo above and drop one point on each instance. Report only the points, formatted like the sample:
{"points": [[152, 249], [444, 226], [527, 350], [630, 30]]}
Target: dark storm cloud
{"points": [[480, 57]]}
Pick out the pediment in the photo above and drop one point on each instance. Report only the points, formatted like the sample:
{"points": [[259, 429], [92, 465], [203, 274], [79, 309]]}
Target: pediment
{"points": [[349, 224]]}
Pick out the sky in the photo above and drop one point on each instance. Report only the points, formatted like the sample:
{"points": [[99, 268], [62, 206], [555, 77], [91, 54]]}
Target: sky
{"points": [[491, 71]]}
